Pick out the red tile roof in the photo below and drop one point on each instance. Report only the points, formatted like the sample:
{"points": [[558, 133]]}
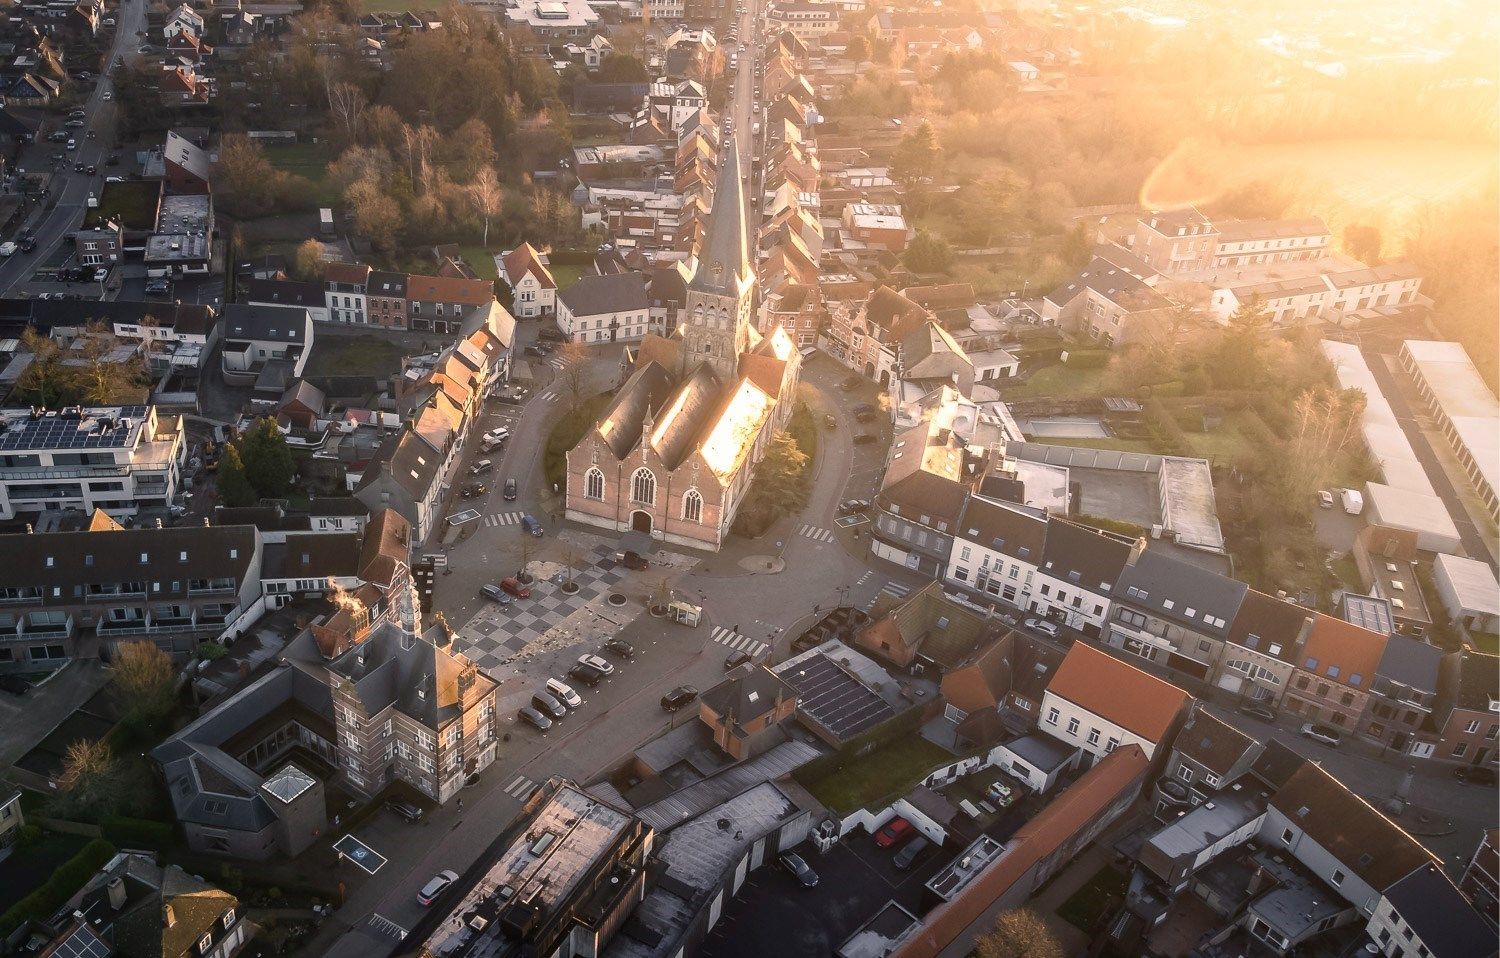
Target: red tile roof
{"points": [[1101, 787], [1118, 692], [449, 289], [524, 259], [1350, 650]]}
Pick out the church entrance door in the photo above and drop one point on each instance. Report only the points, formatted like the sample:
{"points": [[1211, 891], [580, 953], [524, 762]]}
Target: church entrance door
{"points": [[641, 521]]}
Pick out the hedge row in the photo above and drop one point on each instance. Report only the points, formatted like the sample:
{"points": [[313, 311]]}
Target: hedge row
{"points": [[1088, 358], [63, 884], [138, 832]]}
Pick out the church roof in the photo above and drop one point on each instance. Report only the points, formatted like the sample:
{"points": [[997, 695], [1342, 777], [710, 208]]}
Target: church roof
{"points": [[724, 261], [682, 422], [645, 391], [734, 429]]}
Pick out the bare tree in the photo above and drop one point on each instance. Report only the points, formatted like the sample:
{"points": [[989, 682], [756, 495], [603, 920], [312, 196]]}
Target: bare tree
{"points": [[419, 141], [573, 375], [346, 102], [486, 195], [42, 382], [1018, 934], [90, 781], [526, 550]]}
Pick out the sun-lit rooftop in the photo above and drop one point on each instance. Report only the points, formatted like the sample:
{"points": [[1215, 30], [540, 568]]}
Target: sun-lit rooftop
{"points": [[733, 435]]}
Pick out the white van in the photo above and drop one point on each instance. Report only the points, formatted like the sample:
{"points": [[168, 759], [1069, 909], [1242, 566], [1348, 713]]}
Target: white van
{"points": [[564, 693]]}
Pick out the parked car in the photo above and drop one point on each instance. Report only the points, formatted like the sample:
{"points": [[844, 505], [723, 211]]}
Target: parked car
{"points": [[864, 407], [498, 434], [678, 697], [908, 855], [1475, 775], [864, 439], [865, 416], [473, 490], [481, 467], [548, 705], [531, 526], [831, 422], [440, 883], [8, 249], [851, 507], [564, 693], [1325, 498], [404, 810], [534, 350], [552, 333], [1257, 712], [14, 684], [621, 648], [1043, 626], [586, 674], [1001, 794], [893, 832], [515, 587], [636, 562], [495, 594], [510, 490], [534, 718], [1326, 734], [595, 662], [736, 659], [800, 869]]}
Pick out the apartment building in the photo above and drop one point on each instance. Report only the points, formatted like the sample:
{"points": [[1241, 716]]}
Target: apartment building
{"points": [[805, 21], [85, 592], [1264, 640], [1468, 712], [997, 549], [1173, 614], [1176, 241], [1078, 577], [597, 310], [1330, 296], [113, 458], [918, 515], [1404, 692], [1245, 243], [265, 346], [439, 304]]}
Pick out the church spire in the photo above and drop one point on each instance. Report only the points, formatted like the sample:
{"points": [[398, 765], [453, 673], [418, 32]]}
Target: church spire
{"points": [[724, 257]]}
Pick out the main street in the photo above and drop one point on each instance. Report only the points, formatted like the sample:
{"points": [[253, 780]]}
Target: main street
{"points": [[70, 189]]}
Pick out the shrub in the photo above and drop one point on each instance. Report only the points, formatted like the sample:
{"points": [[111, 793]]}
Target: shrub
{"points": [[138, 832], [211, 651], [29, 835], [63, 884], [1088, 358]]}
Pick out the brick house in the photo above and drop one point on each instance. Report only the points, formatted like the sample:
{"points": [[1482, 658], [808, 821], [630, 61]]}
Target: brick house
{"points": [[1334, 673]]}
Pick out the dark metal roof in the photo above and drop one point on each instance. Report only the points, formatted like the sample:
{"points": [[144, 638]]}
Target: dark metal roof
{"points": [[724, 260], [1172, 589]]}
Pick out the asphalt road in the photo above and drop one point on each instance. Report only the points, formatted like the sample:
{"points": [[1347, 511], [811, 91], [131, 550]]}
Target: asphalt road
{"points": [[72, 189]]}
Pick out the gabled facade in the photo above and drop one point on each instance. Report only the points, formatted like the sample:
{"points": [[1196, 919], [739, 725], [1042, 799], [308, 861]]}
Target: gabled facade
{"points": [[1098, 703]]}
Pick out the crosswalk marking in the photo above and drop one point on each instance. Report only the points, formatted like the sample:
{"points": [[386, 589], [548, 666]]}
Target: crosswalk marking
{"points": [[557, 362], [502, 519], [521, 788], [387, 927], [548, 396], [738, 642], [864, 578], [813, 532], [896, 590]]}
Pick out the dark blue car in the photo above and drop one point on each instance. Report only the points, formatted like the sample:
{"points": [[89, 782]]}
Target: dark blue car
{"points": [[531, 526]]}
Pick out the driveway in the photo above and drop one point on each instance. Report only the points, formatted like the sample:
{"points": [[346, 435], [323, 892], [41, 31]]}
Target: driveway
{"points": [[29, 719]]}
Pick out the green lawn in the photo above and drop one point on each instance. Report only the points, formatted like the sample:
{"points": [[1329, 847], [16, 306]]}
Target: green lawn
{"points": [[1096, 900], [1060, 382], [353, 356], [882, 775], [567, 274], [309, 161], [481, 260], [565, 435], [134, 204]]}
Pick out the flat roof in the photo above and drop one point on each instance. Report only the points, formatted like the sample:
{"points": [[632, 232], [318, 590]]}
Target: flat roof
{"points": [[1473, 583], [1460, 392], [1383, 435], [956, 876], [1405, 509]]}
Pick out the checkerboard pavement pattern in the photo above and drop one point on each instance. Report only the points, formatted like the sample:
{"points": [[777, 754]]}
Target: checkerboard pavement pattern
{"points": [[497, 634]]}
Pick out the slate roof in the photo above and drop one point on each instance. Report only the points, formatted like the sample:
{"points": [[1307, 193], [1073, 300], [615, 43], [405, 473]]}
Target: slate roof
{"points": [[747, 693], [724, 259], [285, 292], [1441, 916], [282, 324], [1113, 283], [593, 295], [387, 284], [1213, 743], [684, 421], [923, 493], [1169, 588], [1264, 621], [1009, 531], [63, 560], [1347, 827], [391, 667], [643, 393], [1413, 663], [1078, 554]]}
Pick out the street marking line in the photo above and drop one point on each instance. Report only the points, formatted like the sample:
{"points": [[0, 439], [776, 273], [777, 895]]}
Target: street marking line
{"points": [[521, 788], [387, 927], [502, 519], [366, 858], [815, 533]]}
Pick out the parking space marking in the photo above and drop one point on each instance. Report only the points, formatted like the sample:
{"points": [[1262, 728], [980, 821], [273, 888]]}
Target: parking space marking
{"points": [[848, 522], [521, 789], [366, 858], [815, 533], [737, 642], [387, 927], [502, 519]]}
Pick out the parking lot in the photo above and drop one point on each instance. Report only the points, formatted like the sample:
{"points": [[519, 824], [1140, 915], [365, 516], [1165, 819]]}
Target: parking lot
{"points": [[774, 915]]}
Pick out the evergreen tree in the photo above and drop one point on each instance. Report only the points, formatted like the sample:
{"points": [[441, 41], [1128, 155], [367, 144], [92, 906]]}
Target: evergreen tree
{"points": [[234, 488], [268, 461]]}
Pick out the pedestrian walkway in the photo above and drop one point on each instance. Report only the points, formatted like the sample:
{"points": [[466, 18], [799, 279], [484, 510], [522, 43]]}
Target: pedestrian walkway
{"points": [[815, 533], [502, 519], [521, 788], [548, 396], [387, 927], [896, 590], [738, 642]]}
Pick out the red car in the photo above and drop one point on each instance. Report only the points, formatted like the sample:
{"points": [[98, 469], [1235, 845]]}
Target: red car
{"points": [[513, 585], [893, 832]]}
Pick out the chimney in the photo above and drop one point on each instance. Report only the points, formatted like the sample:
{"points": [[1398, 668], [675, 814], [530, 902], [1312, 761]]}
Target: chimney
{"points": [[1302, 635], [168, 918], [116, 890]]}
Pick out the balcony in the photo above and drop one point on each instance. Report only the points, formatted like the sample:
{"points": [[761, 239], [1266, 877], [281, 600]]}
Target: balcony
{"points": [[83, 472], [23, 629], [153, 627]]}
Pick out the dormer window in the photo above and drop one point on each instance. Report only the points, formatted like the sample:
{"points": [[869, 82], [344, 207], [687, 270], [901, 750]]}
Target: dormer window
{"points": [[206, 944]]}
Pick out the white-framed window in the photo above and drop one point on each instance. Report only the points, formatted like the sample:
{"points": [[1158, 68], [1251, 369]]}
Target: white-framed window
{"points": [[1093, 736], [1072, 726], [593, 484], [643, 487], [206, 944], [692, 506], [1184, 773]]}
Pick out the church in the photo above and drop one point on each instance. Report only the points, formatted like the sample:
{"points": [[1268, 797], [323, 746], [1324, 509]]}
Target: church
{"points": [[673, 453]]}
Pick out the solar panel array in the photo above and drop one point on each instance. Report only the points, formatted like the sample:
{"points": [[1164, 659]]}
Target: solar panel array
{"points": [[835, 699], [53, 431], [83, 943]]}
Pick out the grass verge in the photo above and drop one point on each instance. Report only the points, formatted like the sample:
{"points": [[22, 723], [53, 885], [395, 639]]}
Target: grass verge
{"points": [[309, 161], [884, 774], [565, 435], [353, 356]]}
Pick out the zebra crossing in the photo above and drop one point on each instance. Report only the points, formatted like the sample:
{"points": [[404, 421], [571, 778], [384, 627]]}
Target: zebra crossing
{"points": [[815, 533], [549, 396], [387, 927], [557, 362], [896, 590], [502, 519], [738, 642], [521, 789]]}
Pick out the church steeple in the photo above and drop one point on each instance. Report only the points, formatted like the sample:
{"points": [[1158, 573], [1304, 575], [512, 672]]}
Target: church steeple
{"points": [[724, 258]]}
